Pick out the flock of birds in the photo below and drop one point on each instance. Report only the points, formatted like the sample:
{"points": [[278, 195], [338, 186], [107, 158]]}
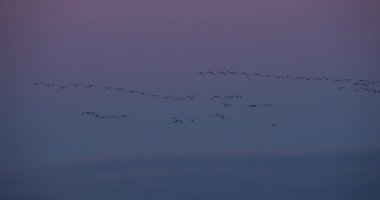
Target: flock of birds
{"points": [[355, 85], [181, 121], [115, 89], [105, 116], [175, 120]]}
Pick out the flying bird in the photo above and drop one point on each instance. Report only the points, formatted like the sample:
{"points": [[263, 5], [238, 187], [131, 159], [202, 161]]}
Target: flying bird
{"points": [[245, 73], [273, 124], [119, 89], [90, 86], [216, 97], [220, 116], [191, 96], [193, 119], [176, 121]]}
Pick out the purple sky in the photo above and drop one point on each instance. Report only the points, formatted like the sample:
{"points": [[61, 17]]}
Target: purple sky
{"points": [[158, 46]]}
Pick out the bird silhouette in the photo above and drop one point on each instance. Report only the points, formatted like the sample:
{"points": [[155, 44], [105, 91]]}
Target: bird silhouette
{"points": [[86, 113], [259, 105], [64, 87], [220, 116], [176, 121], [245, 73], [192, 119], [216, 97], [119, 89], [177, 99], [273, 124], [90, 86], [191, 96], [133, 91]]}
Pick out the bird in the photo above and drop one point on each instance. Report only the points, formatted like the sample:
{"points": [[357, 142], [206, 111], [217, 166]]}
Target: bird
{"points": [[48, 85], [216, 97], [341, 88], [273, 124], [64, 87], [257, 74], [231, 72], [259, 105], [245, 73], [133, 91], [85, 113], [176, 121], [177, 99], [119, 89], [226, 104], [191, 96], [219, 116], [124, 116], [229, 97], [192, 119], [90, 86]]}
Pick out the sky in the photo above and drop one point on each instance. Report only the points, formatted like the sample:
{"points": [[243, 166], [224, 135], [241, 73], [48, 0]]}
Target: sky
{"points": [[325, 131]]}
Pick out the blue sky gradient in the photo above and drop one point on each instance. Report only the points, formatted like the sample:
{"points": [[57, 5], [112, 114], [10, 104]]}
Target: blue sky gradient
{"points": [[158, 47]]}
